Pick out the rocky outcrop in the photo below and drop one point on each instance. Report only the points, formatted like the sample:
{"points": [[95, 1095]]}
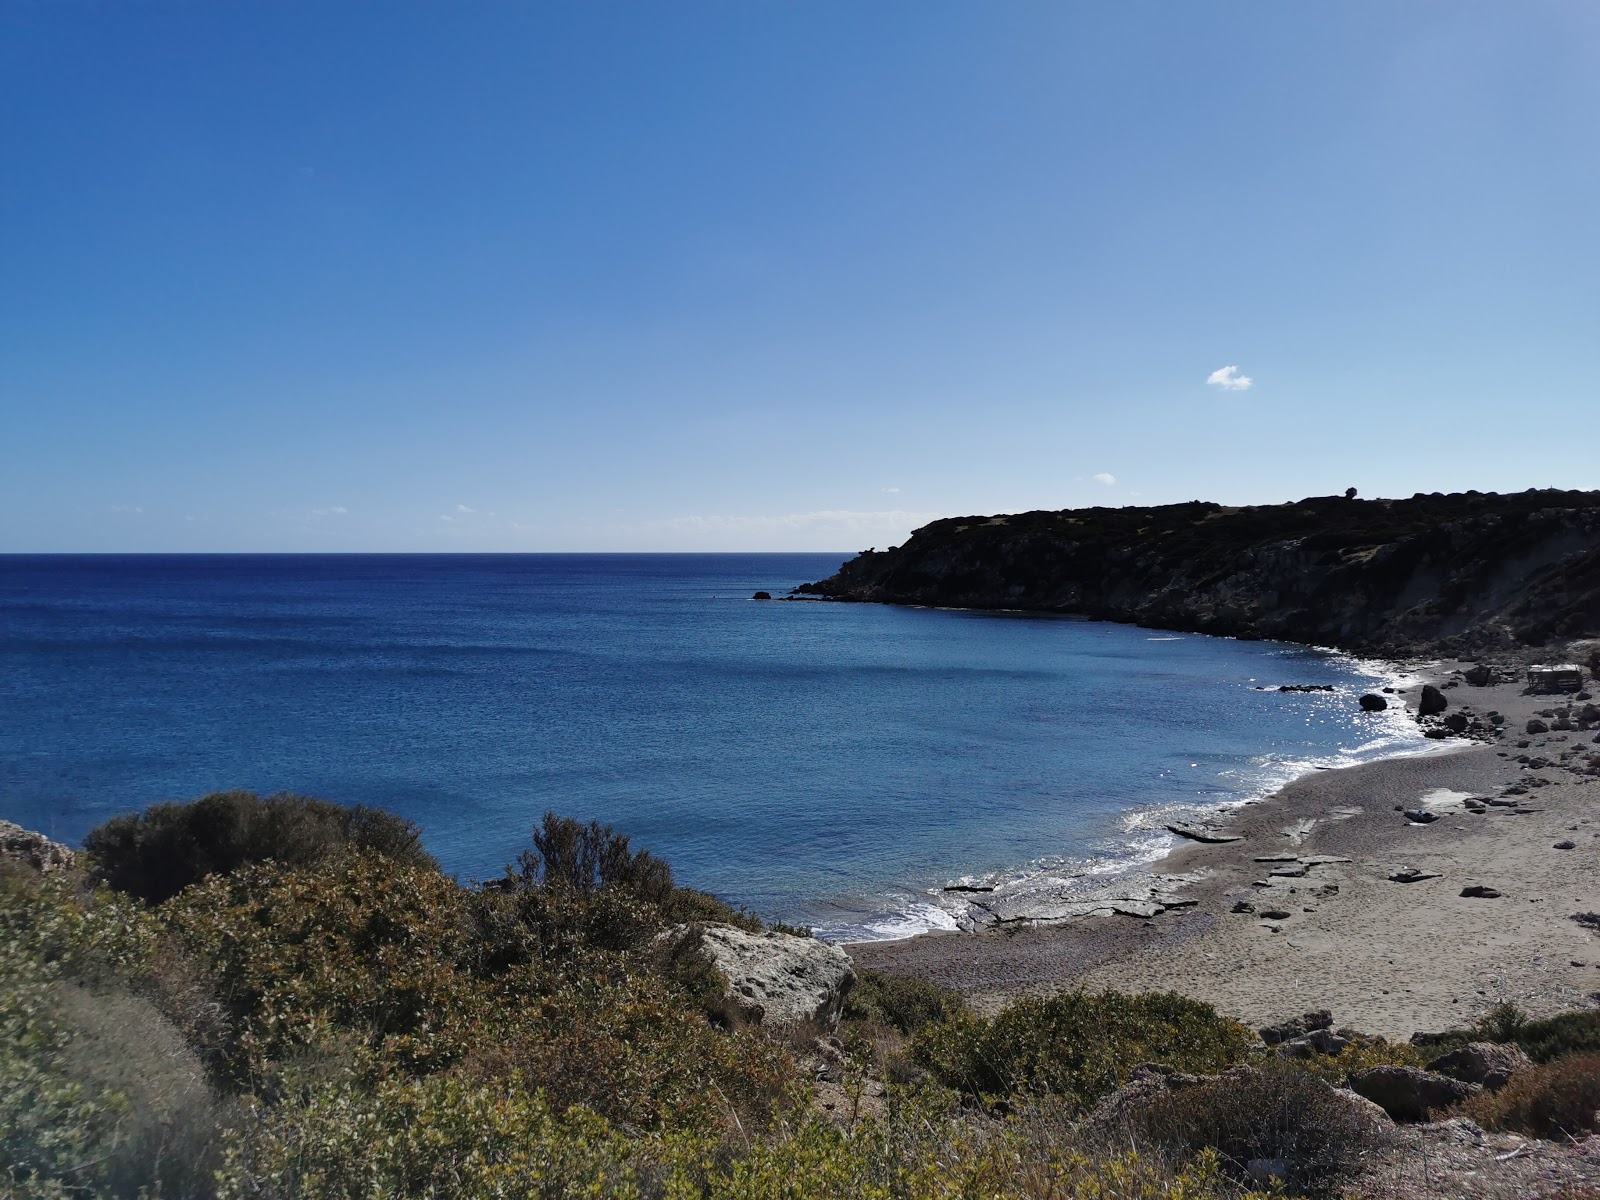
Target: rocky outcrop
{"points": [[774, 979], [1296, 1027], [1408, 1093], [39, 852], [1464, 572], [1487, 1063]]}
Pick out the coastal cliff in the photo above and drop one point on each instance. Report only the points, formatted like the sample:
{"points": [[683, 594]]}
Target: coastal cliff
{"points": [[1465, 572]]}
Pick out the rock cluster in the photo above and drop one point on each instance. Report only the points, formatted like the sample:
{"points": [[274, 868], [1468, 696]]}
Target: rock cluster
{"points": [[38, 851]]}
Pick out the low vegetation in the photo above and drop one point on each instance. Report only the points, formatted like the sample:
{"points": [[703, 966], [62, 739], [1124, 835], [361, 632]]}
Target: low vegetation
{"points": [[279, 999]]}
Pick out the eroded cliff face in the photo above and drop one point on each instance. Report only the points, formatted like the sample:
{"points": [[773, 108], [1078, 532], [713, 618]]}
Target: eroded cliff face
{"points": [[1462, 572]]}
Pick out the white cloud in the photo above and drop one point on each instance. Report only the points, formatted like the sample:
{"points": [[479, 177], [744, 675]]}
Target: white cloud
{"points": [[1229, 379], [1105, 477], [445, 517], [893, 491], [333, 510], [127, 508], [462, 508]]}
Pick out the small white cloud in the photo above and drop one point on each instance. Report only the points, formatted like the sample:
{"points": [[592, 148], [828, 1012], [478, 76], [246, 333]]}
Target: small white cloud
{"points": [[445, 517], [1229, 379], [127, 508], [462, 508], [1106, 478], [893, 491], [333, 510]]}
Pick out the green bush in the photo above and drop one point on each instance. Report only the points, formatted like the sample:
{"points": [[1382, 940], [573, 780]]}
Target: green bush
{"points": [[1557, 1100], [363, 950], [1078, 1045], [903, 1004], [156, 854], [1544, 1040], [1565, 1033], [445, 1137]]}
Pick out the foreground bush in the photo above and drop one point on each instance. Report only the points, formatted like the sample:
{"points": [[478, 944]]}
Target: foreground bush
{"points": [[1278, 1113], [156, 854], [99, 1095], [1079, 1045], [1556, 1100]]}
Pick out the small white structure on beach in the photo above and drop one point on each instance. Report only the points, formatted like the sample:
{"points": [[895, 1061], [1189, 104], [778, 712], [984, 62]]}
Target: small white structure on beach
{"points": [[1562, 677]]}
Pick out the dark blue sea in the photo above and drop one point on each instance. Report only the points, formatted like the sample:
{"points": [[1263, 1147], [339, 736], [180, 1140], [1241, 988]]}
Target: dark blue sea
{"points": [[831, 764]]}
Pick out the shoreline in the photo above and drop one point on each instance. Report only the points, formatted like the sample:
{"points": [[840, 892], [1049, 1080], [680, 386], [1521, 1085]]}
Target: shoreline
{"points": [[1079, 879], [1389, 957]]}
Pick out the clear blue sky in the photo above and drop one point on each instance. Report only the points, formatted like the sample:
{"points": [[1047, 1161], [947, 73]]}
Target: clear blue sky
{"points": [[779, 275]]}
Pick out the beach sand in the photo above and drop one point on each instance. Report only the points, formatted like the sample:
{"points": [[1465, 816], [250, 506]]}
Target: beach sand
{"points": [[1386, 957]]}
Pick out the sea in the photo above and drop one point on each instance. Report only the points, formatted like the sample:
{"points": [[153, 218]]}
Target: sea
{"points": [[832, 765]]}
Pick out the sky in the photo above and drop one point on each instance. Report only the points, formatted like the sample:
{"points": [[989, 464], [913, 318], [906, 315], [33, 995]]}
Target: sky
{"points": [[779, 274]]}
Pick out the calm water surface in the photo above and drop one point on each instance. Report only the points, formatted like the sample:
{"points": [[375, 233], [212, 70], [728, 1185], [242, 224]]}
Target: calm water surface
{"points": [[826, 763]]}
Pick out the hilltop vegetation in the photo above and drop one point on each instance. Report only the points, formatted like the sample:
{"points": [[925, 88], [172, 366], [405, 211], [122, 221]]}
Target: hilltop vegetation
{"points": [[348, 1022], [1464, 572]]}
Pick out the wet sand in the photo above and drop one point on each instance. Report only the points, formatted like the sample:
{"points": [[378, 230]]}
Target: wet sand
{"points": [[1387, 957]]}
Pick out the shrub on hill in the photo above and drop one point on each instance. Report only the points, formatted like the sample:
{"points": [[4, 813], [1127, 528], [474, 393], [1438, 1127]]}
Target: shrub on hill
{"points": [[1544, 1040], [1277, 1112], [1078, 1045], [1557, 1100], [157, 853], [905, 1005]]}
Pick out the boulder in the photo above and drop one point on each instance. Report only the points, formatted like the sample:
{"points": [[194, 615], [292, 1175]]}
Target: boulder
{"points": [[762, 596], [1409, 1093], [1486, 1063], [1432, 701], [38, 851], [1413, 875], [1537, 726], [1318, 1041], [1456, 722], [1296, 1027], [1373, 703], [1479, 891], [1478, 676], [774, 979]]}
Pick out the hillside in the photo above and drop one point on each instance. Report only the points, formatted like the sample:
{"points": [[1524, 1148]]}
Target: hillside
{"points": [[1462, 572]]}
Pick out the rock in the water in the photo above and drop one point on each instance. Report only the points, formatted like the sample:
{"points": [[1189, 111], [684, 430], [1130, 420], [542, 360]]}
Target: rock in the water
{"points": [[1478, 676], [773, 978], [762, 596], [1408, 1093], [1296, 1027], [1373, 703], [1486, 1063], [1479, 892], [1432, 701], [38, 851]]}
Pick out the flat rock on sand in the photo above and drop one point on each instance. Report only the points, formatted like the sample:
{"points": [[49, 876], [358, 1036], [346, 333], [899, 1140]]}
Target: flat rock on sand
{"points": [[1389, 957]]}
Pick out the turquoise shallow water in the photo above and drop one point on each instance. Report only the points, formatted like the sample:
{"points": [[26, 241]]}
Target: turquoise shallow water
{"points": [[826, 763]]}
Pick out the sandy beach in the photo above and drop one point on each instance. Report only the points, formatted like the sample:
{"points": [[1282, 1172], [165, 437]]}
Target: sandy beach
{"points": [[1272, 931]]}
